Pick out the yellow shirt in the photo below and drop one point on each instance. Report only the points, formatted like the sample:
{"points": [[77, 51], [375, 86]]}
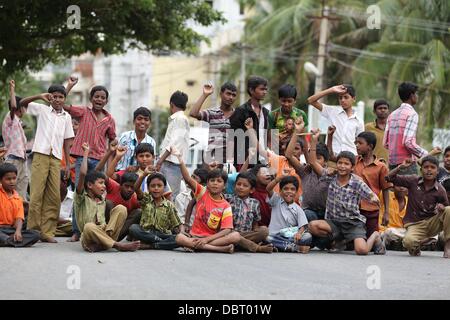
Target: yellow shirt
{"points": [[395, 215], [380, 151]]}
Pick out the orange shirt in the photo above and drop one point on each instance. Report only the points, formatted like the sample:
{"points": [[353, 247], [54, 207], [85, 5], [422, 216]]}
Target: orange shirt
{"points": [[395, 215], [278, 163], [374, 176], [63, 166], [11, 207], [211, 215]]}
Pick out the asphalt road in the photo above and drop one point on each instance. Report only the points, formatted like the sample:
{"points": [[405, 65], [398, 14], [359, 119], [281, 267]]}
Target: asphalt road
{"points": [[50, 271]]}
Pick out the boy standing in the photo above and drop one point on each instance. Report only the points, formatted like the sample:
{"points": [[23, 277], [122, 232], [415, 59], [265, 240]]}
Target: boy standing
{"points": [[90, 207], [177, 136], [381, 110], [347, 123], [11, 212], [213, 223], [142, 118], [246, 215], [54, 134], [343, 220], [401, 129], [373, 172], [160, 222], [426, 214]]}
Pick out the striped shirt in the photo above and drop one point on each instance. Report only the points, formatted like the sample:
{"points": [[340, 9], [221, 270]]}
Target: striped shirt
{"points": [[92, 131], [344, 201], [218, 125], [14, 137], [400, 135], [129, 140]]}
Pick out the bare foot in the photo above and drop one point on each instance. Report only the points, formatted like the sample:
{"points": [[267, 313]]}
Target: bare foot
{"points": [[447, 249], [132, 246], [267, 248], [303, 249], [414, 252], [49, 240], [74, 238], [229, 248]]}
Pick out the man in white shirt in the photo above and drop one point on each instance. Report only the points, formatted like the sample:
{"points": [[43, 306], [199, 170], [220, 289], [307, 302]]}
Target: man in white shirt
{"points": [[348, 124], [54, 135], [177, 135]]}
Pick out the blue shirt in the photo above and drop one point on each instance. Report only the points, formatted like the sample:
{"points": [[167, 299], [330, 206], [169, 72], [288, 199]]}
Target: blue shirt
{"points": [[129, 140]]}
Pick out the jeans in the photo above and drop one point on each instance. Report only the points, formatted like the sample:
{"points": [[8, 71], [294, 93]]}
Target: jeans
{"points": [[158, 239], [92, 163], [314, 215], [288, 244], [172, 173]]}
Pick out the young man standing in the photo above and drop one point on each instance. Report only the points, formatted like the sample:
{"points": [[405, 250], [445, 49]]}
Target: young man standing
{"points": [[401, 130], [381, 110], [348, 124], [217, 117], [257, 89]]}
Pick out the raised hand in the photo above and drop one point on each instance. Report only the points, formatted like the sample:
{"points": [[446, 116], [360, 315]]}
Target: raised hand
{"points": [[331, 130], [149, 170], [47, 97], [73, 80], [299, 125], [435, 151], [315, 134], [248, 123], [12, 84], [120, 151], [340, 89], [208, 89], [286, 172], [406, 163]]}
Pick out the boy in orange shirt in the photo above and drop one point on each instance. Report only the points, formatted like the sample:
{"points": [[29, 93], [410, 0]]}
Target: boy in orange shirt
{"points": [[11, 212]]}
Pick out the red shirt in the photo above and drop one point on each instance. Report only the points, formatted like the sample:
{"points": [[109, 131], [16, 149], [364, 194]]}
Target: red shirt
{"points": [[262, 196], [92, 131], [211, 215], [113, 194]]}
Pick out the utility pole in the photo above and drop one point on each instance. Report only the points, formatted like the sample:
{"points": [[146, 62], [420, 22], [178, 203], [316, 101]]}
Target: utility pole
{"points": [[242, 94]]}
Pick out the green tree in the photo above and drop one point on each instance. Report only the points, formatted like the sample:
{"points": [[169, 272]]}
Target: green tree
{"points": [[35, 33]]}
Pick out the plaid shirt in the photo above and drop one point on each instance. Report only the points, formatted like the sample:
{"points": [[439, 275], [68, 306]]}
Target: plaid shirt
{"points": [[129, 140], [400, 135], [245, 212], [343, 201], [14, 137]]}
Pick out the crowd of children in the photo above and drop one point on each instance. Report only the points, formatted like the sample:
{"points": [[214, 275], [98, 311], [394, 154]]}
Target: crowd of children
{"points": [[291, 192]]}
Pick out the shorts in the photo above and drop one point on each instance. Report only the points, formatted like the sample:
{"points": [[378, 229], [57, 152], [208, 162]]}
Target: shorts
{"points": [[347, 229]]}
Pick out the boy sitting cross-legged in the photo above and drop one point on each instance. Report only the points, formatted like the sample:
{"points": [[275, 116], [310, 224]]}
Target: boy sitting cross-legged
{"points": [[212, 229], [90, 207], [343, 219], [159, 221], [246, 215], [288, 224]]}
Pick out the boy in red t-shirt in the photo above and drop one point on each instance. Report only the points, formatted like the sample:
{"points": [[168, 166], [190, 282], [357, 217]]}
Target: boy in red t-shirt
{"points": [[212, 229]]}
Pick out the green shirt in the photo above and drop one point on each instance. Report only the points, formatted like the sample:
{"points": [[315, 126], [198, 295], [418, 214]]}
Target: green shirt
{"points": [[277, 120], [88, 210], [163, 218]]}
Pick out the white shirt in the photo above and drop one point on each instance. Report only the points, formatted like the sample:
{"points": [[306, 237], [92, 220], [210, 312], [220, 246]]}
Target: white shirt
{"points": [[52, 129], [347, 128], [177, 135], [65, 212]]}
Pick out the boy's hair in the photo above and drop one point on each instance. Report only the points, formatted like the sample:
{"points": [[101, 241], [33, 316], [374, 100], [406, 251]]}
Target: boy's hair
{"points": [[217, 173], [129, 177], [380, 102], [256, 168], [287, 91], [144, 147], [322, 150], [406, 89], [370, 138], [57, 88], [346, 155], [289, 179], [93, 176], [202, 174], [254, 81], [447, 150], [431, 159], [142, 111], [350, 90], [17, 102], [446, 185], [156, 175], [7, 168], [98, 88], [228, 86], [249, 176], [300, 142], [179, 99]]}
